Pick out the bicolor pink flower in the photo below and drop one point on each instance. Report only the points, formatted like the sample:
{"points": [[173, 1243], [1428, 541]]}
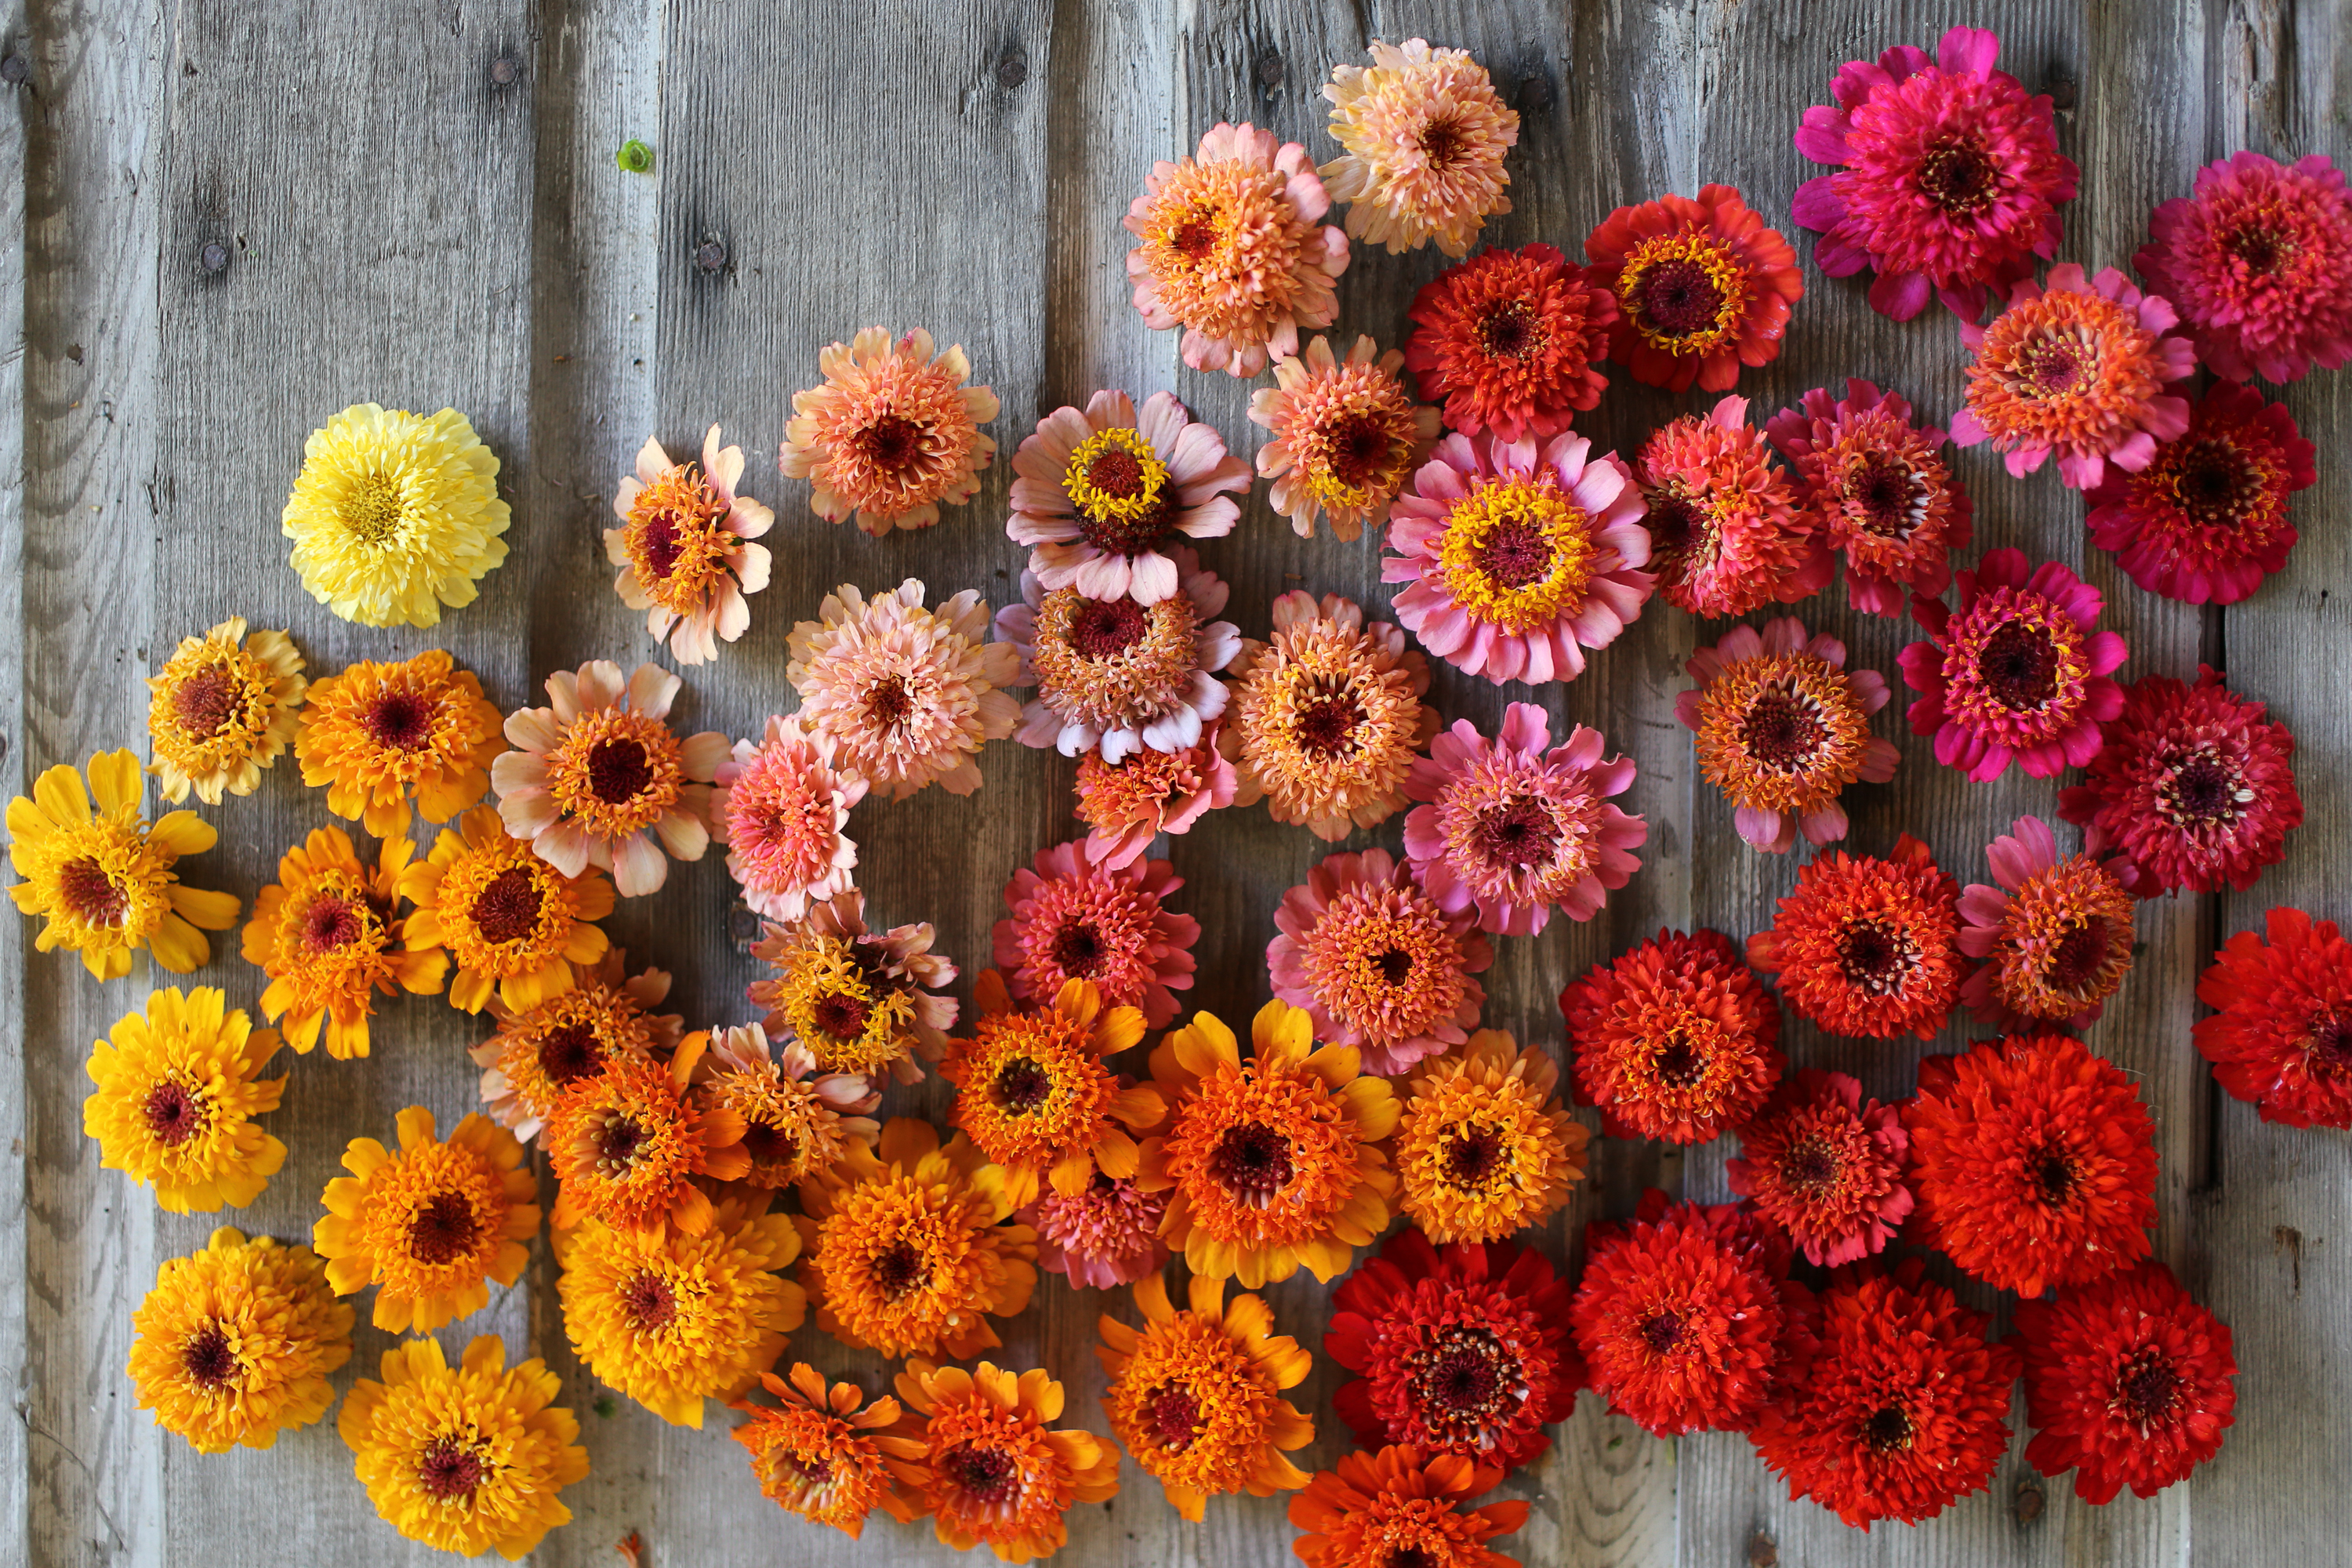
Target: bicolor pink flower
{"points": [[1729, 534], [1376, 962], [2258, 262], [780, 808], [1075, 920], [684, 549], [1878, 490], [2057, 935], [1128, 803], [1104, 1235], [1344, 436]]}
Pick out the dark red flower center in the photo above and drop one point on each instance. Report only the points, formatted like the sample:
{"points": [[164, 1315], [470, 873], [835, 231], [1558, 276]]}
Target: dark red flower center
{"points": [[1117, 472], [333, 923], [650, 1301], [398, 720], [1874, 957], [174, 1113], [768, 1144], [1132, 535], [1442, 144], [1884, 496], [444, 1230], [1782, 730], [1357, 450], [1394, 965], [2202, 790], [1677, 519], [1811, 1163], [1022, 1086], [208, 1359], [2261, 252], [1474, 1153], [205, 701], [2018, 666], [661, 545], [1508, 329], [2053, 1176], [1078, 949], [841, 1016], [1678, 298], [618, 770], [1411, 1557], [94, 898], [1956, 173], [1194, 239], [1661, 1332], [1464, 1375], [506, 909], [2331, 1041], [2053, 367], [2149, 1389], [1517, 832], [2076, 961], [570, 1053], [1888, 1430], [1514, 555], [890, 443], [1103, 628], [897, 1269], [1170, 1416], [983, 1475], [2213, 482], [621, 1140], [1678, 1062], [1327, 726], [888, 701], [1251, 1161], [449, 1470], [814, 1467]]}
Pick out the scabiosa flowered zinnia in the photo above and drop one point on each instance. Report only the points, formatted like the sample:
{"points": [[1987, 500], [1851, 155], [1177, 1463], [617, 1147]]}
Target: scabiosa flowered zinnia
{"points": [[1510, 341], [234, 1343], [1729, 533], [817, 1452], [862, 1002], [1342, 435], [537, 1052], [1879, 491], [1128, 803], [1105, 1234], [635, 1147], [2280, 1036], [1376, 962], [779, 807], [2258, 261], [223, 708], [514, 924], [328, 934], [1868, 947], [797, 1121], [178, 1087], [1676, 1039], [890, 433], [1484, 1148], [377, 735], [1073, 920], [1402, 1506], [1826, 1166], [2057, 935], [1702, 288], [1425, 134], [684, 549], [989, 1469]]}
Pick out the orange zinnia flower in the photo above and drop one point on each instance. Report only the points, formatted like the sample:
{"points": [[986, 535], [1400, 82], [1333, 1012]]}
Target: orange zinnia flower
{"points": [[326, 935], [989, 1470], [819, 1453], [514, 925], [539, 1052], [796, 1121], [377, 734], [1392, 1508], [628, 1143], [1484, 1148]]}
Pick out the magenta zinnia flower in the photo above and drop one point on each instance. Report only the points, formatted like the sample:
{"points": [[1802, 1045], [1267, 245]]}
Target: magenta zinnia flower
{"points": [[780, 808], [2018, 672], [1376, 962], [1106, 1234], [2258, 264], [1073, 920], [1128, 803], [1950, 177], [1516, 829], [1879, 490]]}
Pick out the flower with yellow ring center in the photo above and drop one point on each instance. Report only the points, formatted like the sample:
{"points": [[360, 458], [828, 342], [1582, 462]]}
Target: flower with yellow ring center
{"points": [[178, 1088], [1121, 489], [1517, 552], [221, 710], [1484, 1149], [1684, 292], [514, 924]]}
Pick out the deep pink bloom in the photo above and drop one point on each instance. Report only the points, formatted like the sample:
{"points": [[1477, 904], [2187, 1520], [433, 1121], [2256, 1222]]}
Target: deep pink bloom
{"points": [[1073, 920], [1879, 490], [1826, 1166], [2258, 264], [1106, 1234], [1376, 962], [780, 808]]}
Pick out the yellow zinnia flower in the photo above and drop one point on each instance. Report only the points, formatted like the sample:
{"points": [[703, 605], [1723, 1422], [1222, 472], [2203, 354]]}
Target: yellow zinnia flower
{"points": [[395, 515], [514, 924], [326, 935], [1484, 1148], [175, 1100], [222, 711], [105, 880]]}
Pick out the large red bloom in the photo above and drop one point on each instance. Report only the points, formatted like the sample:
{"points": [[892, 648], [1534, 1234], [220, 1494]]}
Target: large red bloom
{"points": [[1702, 288], [1510, 341], [1879, 490], [2281, 1034], [2258, 264], [1676, 1039], [1868, 947], [1727, 532], [1827, 1167]]}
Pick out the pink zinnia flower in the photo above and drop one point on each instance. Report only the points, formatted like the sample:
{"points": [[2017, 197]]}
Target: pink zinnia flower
{"points": [[1426, 132], [2018, 672], [1073, 920], [1098, 495], [1728, 534], [1511, 340], [1345, 435], [2056, 935], [684, 549], [1826, 1166], [1129, 804], [2258, 264], [1234, 251], [780, 808], [1950, 177], [1515, 829], [1878, 490], [1518, 559], [1104, 1235], [890, 434], [598, 779], [1376, 962]]}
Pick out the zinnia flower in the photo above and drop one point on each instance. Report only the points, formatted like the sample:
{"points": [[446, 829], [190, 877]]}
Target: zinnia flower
{"points": [[1326, 716], [2057, 934], [797, 1122], [104, 882], [1128, 803], [1105, 1234], [1906, 1409], [684, 549], [905, 1248], [817, 1452], [890, 434], [1517, 563], [2016, 673], [430, 1225], [235, 1343], [1702, 288], [1868, 947], [1233, 250], [514, 925], [779, 807], [635, 1147], [1826, 1166], [1676, 1039], [221, 710], [378, 734], [1344, 436], [1275, 1162], [326, 934], [1950, 178], [466, 1461], [2258, 261], [1375, 963], [1518, 830], [2076, 367], [1425, 134], [862, 1003], [2127, 1383], [178, 1088], [2207, 520], [1484, 1149], [1729, 533], [989, 1470], [1509, 340], [2280, 1036], [1196, 1394], [1098, 495], [1403, 1506], [540, 1051], [394, 515], [1879, 490], [2034, 1163]]}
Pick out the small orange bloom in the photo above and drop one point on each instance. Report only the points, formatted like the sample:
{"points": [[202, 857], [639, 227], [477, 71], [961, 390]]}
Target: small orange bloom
{"points": [[1484, 1148], [326, 935], [989, 1471], [628, 1143], [1391, 1507], [539, 1052], [818, 1453], [377, 734], [514, 925]]}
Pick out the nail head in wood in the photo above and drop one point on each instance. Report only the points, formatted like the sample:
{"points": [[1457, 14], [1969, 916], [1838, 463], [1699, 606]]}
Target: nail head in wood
{"points": [[711, 255], [15, 69], [503, 72], [2028, 1503], [1270, 69], [214, 257], [2062, 93], [1763, 1551], [1013, 67], [742, 926]]}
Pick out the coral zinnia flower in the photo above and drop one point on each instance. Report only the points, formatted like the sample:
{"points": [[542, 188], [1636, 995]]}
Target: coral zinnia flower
{"points": [[540, 1051], [1118, 676], [1509, 340], [1196, 1396], [1401, 1506], [1702, 288], [1376, 962], [2034, 1163], [2057, 934], [235, 1343], [817, 1452], [1676, 1039], [374, 734], [514, 925], [1096, 496], [1781, 728], [797, 1121], [1326, 716], [779, 807], [104, 882], [1518, 830], [395, 515], [906, 1251], [469, 1460], [1275, 1162], [326, 935], [906, 695], [1826, 1166], [862, 1003], [2127, 1380], [684, 549], [1128, 803], [988, 1470], [1345, 435], [1234, 251], [2280, 1034], [1518, 562], [1484, 1149], [1879, 491], [221, 710], [1868, 947], [1729, 533], [1461, 1352], [1425, 134], [2077, 368], [178, 1088], [430, 1225], [890, 434], [629, 1144], [1105, 1234], [1904, 1410], [2207, 519], [1950, 177], [2016, 673], [2258, 262]]}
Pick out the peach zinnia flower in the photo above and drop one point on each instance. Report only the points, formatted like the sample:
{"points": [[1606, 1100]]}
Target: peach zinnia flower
{"points": [[1878, 490], [1128, 803], [988, 1470], [1425, 133], [779, 807], [797, 1122], [431, 1224], [377, 734], [817, 1452], [1729, 534], [1376, 962], [514, 925], [634, 1146], [1105, 1234], [1233, 249], [863, 1003], [2258, 261], [540, 1051], [1400, 1506], [326, 934], [2057, 934], [178, 1087], [684, 549], [1702, 288], [1509, 340], [221, 710], [890, 434], [1484, 1149], [1345, 435], [1113, 929]]}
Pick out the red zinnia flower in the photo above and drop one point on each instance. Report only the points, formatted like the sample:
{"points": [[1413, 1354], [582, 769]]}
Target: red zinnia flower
{"points": [[2126, 1382], [1868, 947], [1702, 288], [2258, 264], [1677, 1039], [2058, 932], [1880, 492], [2280, 1034], [1508, 341], [1826, 1167], [1728, 534], [2034, 1163]]}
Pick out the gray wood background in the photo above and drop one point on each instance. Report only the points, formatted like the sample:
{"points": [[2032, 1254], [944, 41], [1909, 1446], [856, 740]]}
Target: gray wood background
{"points": [[418, 205]]}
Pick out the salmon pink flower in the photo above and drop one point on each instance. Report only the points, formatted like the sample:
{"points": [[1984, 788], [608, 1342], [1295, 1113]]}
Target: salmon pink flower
{"points": [[891, 432], [1510, 341], [2258, 261], [2057, 934], [1376, 963], [1345, 435], [1425, 133], [684, 549], [1104, 1234], [1075, 920], [780, 808], [1878, 490], [1129, 802], [1702, 288], [1729, 533]]}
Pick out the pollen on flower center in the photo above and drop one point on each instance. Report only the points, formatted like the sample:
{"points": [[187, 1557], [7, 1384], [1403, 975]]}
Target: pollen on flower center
{"points": [[444, 1230], [888, 701], [1884, 496], [1170, 1416], [619, 1142], [94, 898], [208, 1359], [890, 443], [2263, 252], [1679, 1063], [398, 720], [1876, 958], [375, 510], [332, 922], [1252, 1162], [206, 701], [2216, 484], [1474, 1155], [2051, 366], [841, 1016], [449, 1470], [1022, 1086], [174, 1113], [1465, 1374], [1888, 1430], [650, 1301], [1679, 299], [1677, 519], [1327, 726], [900, 1270], [618, 770], [571, 1053], [1956, 174], [1509, 329], [2149, 1389], [2203, 790], [1515, 554], [507, 910], [1810, 1164], [1078, 949], [2018, 665], [1357, 450]]}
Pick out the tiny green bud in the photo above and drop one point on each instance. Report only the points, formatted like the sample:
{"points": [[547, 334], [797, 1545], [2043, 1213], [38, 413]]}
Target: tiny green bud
{"points": [[634, 156]]}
